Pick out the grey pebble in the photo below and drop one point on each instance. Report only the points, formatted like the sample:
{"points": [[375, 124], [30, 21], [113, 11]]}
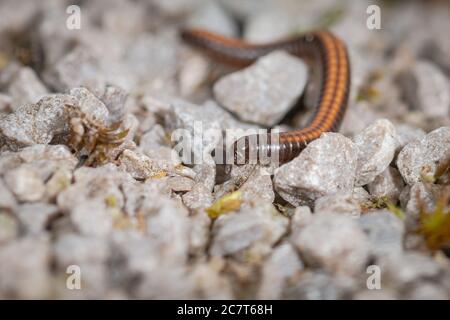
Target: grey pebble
{"points": [[424, 156], [264, 92], [327, 165]]}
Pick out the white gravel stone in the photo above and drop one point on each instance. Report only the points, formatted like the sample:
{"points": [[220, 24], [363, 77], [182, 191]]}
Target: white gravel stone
{"points": [[7, 199], [211, 16], [198, 198], [282, 264], [264, 92], [410, 268], [26, 183], [425, 156], [387, 184], [180, 184], [139, 165], [92, 218], [9, 228], [376, 146], [301, 218], [426, 89], [236, 232], [327, 165], [258, 187], [340, 203], [210, 283], [90, 105], [319, 286], [385, 232], [114, 99], [168, 229], [407, 134], [334, 242], [5, 103], [79, 68], [26, 88], [36, 123], [199, 232], [25, 268], [99, 184], [267, 26], [36, 216]]}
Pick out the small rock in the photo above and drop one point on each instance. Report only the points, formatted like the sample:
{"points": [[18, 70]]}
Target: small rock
{"points": [[79, 68], [360, 195], [139, 166], [198, 198], [301, 218], [282, 264], [318, 286], [268, 25], [101, 184], [26, 88], [427, 291], [90, 105], [77, 249], [193, 73], [385, 232], [258, 187], [153, 139], [425, 88], [92, 218], [421, 196], [409, 268], [325, 242], [180, 184], [153, 61], [168, 229], [376, 146], [7, 199], [357, 118], [59, 181], [340, 203], [387, 184], [211, 16], [264, 92], [25, 183], [165, 158], [199, 233], [5, 103], [407, 134], [9, 228], [327, 165], [26, 262], [36, 123], [204, 125], [210, 283], [236, 232], [114, 99], [424, 157], [43, 159], [36, 216]]}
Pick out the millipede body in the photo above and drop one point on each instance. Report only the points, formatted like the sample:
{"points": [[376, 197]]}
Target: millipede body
{"points": [[321, 50]]}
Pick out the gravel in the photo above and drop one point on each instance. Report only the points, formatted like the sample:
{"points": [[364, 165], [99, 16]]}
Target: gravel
{"points": [[424, 157], [324, 242], [327, 165], [110, 136], [376, 148], [246, 93]]}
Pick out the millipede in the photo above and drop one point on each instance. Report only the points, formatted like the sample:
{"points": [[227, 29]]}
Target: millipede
{"points": [[321, 50]]}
